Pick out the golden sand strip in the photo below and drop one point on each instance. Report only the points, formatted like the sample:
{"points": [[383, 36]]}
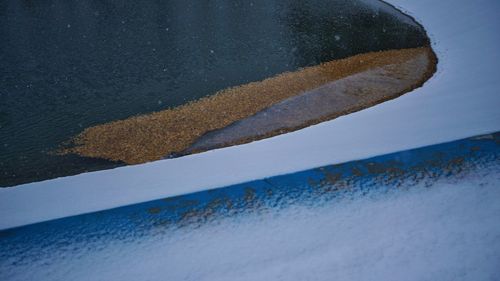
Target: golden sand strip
{"points": [[334, 99], [152, 136]]}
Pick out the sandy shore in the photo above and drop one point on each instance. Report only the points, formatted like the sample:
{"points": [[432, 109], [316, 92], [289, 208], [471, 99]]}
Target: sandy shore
{"points": [[153, 136]]}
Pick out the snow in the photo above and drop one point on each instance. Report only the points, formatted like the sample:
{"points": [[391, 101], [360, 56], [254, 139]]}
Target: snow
{"points": [[461, 100], [447, 231]]}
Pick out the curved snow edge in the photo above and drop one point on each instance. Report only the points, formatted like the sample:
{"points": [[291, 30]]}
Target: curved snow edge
{"points": [[458, 102]]}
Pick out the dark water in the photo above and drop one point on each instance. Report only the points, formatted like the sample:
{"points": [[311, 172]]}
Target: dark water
{"points": [[67, 65]]}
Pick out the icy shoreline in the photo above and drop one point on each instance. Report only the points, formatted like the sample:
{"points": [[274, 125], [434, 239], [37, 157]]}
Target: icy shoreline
{"points": [[460, 101]]}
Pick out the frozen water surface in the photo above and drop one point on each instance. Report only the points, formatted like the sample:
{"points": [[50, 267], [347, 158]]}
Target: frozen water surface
{"points": [[68, 65]]}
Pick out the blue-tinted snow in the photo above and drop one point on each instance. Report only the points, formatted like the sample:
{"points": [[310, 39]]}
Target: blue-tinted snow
{"points": [[444, 229]]}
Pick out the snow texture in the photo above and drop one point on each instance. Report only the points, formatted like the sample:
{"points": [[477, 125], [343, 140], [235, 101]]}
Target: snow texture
{"points": [[461, 100], [447, 231]]}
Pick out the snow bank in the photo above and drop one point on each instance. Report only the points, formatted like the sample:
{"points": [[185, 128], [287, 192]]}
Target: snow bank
{"points": [[449, 231], [460, 101]]}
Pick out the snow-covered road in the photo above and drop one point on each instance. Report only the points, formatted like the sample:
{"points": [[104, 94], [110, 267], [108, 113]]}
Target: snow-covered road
{"points": [[461, 100]]}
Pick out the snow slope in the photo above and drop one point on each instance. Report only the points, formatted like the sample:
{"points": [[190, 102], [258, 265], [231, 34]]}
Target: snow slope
{"points": [[461, 100], [449, 230]]}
